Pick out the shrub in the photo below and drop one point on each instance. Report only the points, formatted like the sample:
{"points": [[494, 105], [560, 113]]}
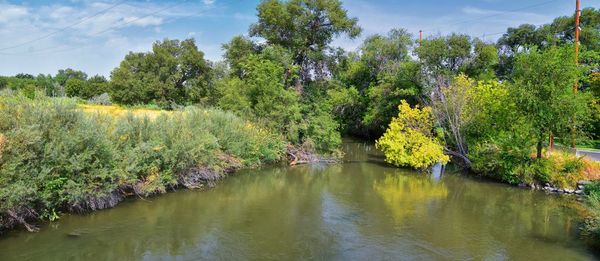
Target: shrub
{"points": [[593, 189], [409, 140], [102, 99], [591, 226], [55, 157]]}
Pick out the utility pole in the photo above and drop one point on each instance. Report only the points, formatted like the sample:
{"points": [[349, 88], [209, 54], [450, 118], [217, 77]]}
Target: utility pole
{"points": [[420, 37], [575, 85], [577, 14]]}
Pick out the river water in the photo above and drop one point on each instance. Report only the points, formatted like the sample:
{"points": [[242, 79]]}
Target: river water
{"points": [[357, 210]]}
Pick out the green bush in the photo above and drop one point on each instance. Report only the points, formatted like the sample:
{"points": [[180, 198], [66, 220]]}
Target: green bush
{"points": [[505, 158], [55, 157], [591, 226], [593, 189]]}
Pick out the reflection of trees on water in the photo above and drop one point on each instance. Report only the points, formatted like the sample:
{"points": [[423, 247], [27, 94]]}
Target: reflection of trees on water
{"points": [[320, 211], [405, 195]]}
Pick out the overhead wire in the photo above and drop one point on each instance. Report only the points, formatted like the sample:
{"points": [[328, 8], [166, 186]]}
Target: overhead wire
{"points": [[85, 18], [490, 16], [114, 26]]}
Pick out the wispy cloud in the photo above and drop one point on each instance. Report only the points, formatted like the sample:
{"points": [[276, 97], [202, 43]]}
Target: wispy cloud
{"points": [[474, 21], [78, 40], [10, 12]]}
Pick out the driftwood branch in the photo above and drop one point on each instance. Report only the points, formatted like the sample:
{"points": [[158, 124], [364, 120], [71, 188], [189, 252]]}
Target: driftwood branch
{"points": [[459, 155], [21, 220]]}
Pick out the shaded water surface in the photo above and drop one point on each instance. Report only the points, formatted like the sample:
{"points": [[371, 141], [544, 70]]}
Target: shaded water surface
{"points": [[358, 210]]}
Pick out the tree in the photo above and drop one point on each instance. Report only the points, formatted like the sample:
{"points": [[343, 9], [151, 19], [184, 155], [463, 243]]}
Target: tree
{"points": [[174, 72], [559, 32], [237, 50], [445, 55], [3, 83], [483, 61], [46, 83], [378, 51], [409, 140], [306, 28], [383, 74], [450, 100], [397, 81], [24, 76], [562, 29], [542, 86], [64, 75], [75, 87], [261, 94], [96, 85]]}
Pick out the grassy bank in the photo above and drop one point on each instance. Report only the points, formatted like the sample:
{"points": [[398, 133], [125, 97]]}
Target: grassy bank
{"points": [[57, 156]]}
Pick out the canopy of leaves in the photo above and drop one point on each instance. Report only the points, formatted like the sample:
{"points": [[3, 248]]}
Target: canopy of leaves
{"points": [[409, 140], [174, 72], [306, 28], [542, 88]]}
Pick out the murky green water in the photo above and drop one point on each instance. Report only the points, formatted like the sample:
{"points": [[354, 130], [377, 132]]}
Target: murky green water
{"points": [[358, 210]]}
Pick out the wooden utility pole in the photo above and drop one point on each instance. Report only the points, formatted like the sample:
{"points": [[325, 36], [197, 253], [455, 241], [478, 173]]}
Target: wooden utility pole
{"points": [[577, 14], [420, 37], [575, 86]]}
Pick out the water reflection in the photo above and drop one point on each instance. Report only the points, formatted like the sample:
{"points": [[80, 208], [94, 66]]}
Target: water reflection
{"points": [[407, 195], [361, 209]]}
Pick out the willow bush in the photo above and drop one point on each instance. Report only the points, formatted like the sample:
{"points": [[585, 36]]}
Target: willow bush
{"points": [[55, 157]]}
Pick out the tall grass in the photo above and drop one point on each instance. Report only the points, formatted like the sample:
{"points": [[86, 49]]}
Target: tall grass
{"points": [[57, 157]]}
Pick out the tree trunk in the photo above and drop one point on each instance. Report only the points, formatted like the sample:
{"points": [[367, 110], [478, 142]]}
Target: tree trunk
{"points": [[539, 148]]}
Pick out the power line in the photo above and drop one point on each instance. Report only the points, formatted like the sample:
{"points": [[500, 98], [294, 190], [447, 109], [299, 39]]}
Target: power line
{"points": [[64, 28], [494, 15], [142, 17], [101, 32]]}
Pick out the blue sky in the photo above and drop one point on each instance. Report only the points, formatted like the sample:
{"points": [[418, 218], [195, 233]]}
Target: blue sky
{"points": [[32, 39]]}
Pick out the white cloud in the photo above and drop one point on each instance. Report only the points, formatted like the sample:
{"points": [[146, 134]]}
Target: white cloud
{"points": [[208, 2], [95, 45], [9, 12], [374, 19]]}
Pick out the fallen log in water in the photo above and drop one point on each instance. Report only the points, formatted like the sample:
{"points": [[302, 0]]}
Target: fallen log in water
{"points": [[301, 155]]}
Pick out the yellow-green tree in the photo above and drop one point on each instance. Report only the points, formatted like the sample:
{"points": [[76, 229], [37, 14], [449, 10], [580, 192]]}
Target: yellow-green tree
{"points": [[409, 140]]}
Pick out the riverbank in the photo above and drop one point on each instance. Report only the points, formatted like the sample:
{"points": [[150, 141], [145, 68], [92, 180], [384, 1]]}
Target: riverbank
{"points": [[56, 157], [358, 209]]}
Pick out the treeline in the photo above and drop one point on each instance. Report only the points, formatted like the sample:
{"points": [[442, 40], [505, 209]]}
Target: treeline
{"points": [[296, 82], [490, 107]]}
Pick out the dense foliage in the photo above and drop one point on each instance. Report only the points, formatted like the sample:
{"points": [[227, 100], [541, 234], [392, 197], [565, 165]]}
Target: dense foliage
{"points": [[54, 157], [173, 73], [410, 140], [490, 107]]}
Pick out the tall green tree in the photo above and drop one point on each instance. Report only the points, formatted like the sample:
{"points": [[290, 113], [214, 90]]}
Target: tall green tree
{"points": [[560, 32], [64, 75], [306, 28], [542, 86], [174, 72], [383, 73], [237, 50], [261, 94], [445, 55], [3, 83]]}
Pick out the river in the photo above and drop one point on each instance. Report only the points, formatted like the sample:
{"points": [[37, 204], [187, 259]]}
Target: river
{"points": [[357, 210]]}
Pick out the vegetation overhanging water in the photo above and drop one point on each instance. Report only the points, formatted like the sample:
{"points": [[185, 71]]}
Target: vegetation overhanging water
{"points": [[359, 209]]}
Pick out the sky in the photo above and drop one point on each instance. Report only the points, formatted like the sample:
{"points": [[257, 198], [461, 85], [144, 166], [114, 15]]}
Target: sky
{"points": [[39, 36]]}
